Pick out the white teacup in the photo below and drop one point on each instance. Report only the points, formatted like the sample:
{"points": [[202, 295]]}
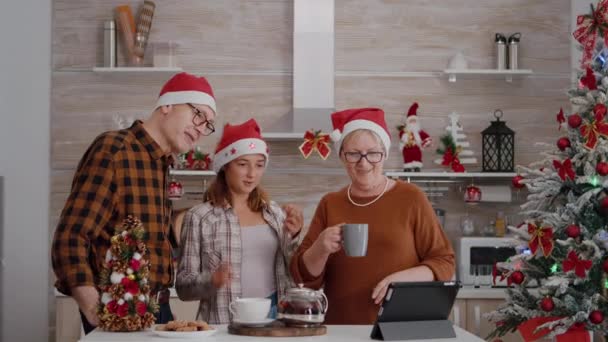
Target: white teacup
{"points": [[250, 309]]}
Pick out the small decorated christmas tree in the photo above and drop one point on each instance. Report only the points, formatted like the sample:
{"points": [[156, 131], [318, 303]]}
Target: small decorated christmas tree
{"points": [[456, 132], [125, 294]]}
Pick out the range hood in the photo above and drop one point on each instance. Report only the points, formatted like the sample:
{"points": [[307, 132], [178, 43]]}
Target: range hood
{"points": [[313, 69]]}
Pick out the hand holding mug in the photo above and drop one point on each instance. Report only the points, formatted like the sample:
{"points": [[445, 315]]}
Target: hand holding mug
{"points": [[330, 239]]}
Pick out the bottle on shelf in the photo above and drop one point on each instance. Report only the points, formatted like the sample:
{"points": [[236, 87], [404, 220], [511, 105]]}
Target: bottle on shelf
{"points": [[500, 224]]}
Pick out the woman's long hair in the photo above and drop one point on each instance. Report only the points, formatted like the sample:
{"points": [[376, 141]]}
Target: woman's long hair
{"points": [[219, 194]]}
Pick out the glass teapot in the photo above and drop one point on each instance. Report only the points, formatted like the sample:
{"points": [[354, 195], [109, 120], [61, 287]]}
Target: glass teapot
{"points": [[301, 306]]}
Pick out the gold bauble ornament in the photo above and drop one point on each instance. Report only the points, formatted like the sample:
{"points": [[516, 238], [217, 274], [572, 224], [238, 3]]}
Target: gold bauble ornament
{"points": [[131, 276]]}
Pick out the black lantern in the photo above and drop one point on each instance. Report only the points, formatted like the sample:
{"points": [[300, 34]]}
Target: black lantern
{"points": [[498, 146]]}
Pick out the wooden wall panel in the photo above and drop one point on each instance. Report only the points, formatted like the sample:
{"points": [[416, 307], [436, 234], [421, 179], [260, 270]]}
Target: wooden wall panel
{"points": [[421, 35], [227, 35]]}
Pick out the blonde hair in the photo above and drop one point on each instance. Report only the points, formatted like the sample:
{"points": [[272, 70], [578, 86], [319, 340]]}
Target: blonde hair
{"points": [[359, 132]]}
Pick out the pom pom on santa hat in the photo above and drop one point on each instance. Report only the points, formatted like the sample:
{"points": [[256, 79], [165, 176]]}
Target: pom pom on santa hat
{"points": [[350, 120], [239, 140], [186, 88]]}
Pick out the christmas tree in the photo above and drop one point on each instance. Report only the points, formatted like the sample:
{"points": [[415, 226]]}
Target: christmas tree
{"points": [[566, 230], [456, 132], [125, 294]]}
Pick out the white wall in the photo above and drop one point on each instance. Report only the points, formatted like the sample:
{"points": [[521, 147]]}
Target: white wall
{"points": [[25, 67]]}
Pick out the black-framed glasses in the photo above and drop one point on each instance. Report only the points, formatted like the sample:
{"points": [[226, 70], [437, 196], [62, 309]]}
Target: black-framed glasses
{"points": [[200, 119], [371, 157]]}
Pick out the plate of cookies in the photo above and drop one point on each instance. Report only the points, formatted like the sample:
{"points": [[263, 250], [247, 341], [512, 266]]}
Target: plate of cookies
{"points": [[184, 329]]}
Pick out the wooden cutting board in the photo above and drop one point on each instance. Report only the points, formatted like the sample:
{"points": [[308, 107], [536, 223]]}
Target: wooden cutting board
{"points": [[276, 329]]}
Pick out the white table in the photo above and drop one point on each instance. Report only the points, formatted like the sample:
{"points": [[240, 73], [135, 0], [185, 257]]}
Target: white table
{"points": [[335, 333]]}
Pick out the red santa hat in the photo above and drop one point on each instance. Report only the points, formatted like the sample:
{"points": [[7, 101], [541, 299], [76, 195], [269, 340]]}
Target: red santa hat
{"points": [[239, 140], [350, 120], [186, 88], [412, 112]]}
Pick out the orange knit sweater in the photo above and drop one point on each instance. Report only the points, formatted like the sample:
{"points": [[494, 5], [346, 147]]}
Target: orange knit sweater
{"points": [[403, 233]]}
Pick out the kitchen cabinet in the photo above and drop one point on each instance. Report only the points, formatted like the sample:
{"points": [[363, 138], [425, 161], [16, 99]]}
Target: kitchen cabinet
{"points": [[478, 325]]}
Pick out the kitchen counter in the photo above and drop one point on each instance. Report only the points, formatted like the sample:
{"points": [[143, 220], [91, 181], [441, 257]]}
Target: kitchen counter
{"points": [[335, 333], [466, 292]]}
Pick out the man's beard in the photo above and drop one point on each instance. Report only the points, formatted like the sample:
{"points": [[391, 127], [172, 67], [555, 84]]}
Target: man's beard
{"points": [[414, 128]]}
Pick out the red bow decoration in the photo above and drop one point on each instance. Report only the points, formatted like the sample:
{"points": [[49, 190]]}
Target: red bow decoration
{"points": [[197, 160], [587, 27], [541, 237], [589, 80], [564, 169], [499, 273], [451, 159], [573, 262], [596, 127], [315, 141], [561, 118]]}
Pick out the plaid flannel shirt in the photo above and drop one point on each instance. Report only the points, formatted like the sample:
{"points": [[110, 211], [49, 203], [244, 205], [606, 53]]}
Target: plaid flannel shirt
{"points": [[122, 173], [211, 236]]}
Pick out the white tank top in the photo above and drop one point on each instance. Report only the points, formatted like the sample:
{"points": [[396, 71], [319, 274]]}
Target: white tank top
{"points": [[260, 244]]}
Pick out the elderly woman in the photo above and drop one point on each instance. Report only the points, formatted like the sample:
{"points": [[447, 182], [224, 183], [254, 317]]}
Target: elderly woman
{"points": [[406, 242], [238, 243]]}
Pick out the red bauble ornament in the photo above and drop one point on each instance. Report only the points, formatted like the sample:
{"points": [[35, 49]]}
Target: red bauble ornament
{"points": [[596, 317], [176, 190], [605, 265], [547, 304], [563, 143], [574, 120], [517, 277], [602, 168], [472, 194], [573, 231], [516, 181]]}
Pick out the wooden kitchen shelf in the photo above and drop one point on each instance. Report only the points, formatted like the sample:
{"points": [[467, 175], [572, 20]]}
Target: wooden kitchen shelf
{"points": [[276, 136], [508, 74], [389, 173], [450, 175], [137, 70]]}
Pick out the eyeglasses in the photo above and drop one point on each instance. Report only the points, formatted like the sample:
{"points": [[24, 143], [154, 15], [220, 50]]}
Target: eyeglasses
{"points": [[371, 157], [200, 119]]}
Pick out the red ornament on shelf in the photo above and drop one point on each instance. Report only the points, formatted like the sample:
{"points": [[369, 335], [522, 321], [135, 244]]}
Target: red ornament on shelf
{"points": [[516, 181], [472, 194], [563, 143], [574, 120], [596, 317], [573, 231], [517, 277], [176, 190], [605, 265], [602, 168], [546, 304]]}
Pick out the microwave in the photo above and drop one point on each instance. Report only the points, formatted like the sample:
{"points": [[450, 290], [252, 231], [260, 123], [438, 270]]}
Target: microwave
{"points": [[476, 257]]}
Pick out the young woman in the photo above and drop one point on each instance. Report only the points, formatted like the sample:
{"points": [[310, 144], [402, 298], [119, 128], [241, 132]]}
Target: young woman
{"points": [[237, 243]]}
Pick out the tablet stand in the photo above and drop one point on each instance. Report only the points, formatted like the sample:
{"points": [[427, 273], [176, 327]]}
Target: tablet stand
{"points": [[412, 330]]}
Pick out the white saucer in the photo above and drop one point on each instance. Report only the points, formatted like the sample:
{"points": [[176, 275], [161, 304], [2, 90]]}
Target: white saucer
{"points": [[260, 323]]}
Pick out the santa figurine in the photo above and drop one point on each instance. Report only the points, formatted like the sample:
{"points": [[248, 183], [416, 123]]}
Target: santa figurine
{"points": [[411, 141]]}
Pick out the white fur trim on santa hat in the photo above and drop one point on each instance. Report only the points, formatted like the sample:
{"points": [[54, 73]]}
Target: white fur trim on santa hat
{"points": [[237, 149], [365, 124], [189, 96]]}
